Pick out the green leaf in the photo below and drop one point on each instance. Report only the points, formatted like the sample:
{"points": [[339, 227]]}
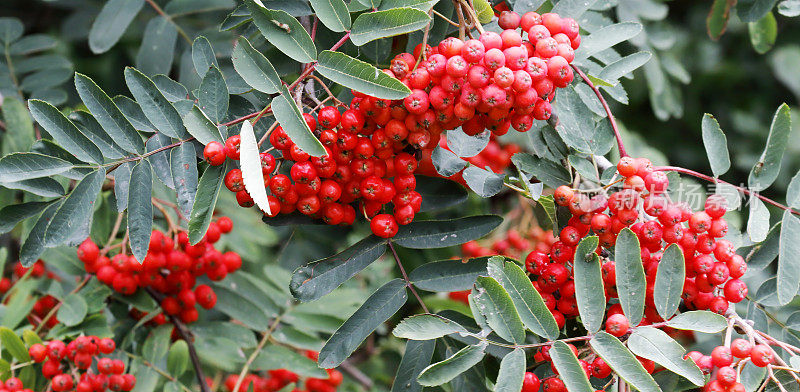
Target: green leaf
{"points": [[75, 213], [623, 362], [788, 262], [498, 308], [360, 76], [753, 10], [444, 371], [250, 162], [670, 278], [45, 187], [200, 127], [30, 338], [483, 182], [443, 233], [571, 8], [171, 89], [416, 357], [160, 159], [569, 369], [545, 211], [32, 43], [316, 279], [605, 38], [512, 372], [552, 174], [793, 192], [111, 23], [254, 68], [423, 5], [790, 8], [589, 291], [631, 283], [20, 166], [278, 357], [108, 114], [426, 327], [11, 215], [439, 193], [655, 345], [576, 124], [446, 162], [625, 65], [89, 126], [14, 345], [381, 305], [157, 50], [19, 134], [283, 31], [73, 310], [716, 145], [203, 56], [178, 358], [140, 209], [291, 119], [766, 169], [758, 220], [155, 106], [448, 275], [241, 308], [157, 344], [466, 146], [33, 246], [212, 96], [183, 164], [370, 26], [64, 132], [483, 10], [10, 29], [718, 16], [698, 320], [528, 302], [763, 33], [333, 14], [204, 201]]}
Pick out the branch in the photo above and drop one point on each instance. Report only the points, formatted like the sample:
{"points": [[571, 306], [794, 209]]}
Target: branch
{"points": [[255, 353], [405, 276], [611, 119], [358, 375]]}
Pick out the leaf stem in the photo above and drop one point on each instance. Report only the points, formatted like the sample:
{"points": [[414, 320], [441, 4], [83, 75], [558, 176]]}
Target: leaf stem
{"points": [[603, 102], [405, 276], [158, 370], [255, 353]]}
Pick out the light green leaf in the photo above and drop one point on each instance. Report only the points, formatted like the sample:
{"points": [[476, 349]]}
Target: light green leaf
{"points": [[788, 262], [623, 362], [155, 106], [763, 33], [75, 213], [448, 275], [254, 68], [333, 14], [552, 174], [793, 192], [631, 283], [443, 233], [758, 220], [422, 5], [200, 127], [718, 16], [716, 145], [213, 96], [426, 327], [25, 165], [569, 369], [178, 358], [655, 345], [73, 310], [64, 132], [444, 371], [204, 201], [766, 169], [589, 291], [14, 345], [278, 357], [670, 278], [10, 29], [360, 76], [446, 162], [291, 119], [753, 10], [625, 65], [484, 182], [19, 134], [577, 127], [606, 37], [111, 23], [370, 26], [283, 31], [140, 209], [203, 56], [498, 308], [157, 50], [698, 320], [108, 114], [512, 372]]}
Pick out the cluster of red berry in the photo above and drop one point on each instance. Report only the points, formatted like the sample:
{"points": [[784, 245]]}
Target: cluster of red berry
{"points": [[277, 379], [171, 269], [69, 366], [596, 367], [724, 360]]}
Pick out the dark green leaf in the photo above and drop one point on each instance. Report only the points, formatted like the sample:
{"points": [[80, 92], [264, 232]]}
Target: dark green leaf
{"points": [[605, 38], [106, 112], [89, 126], [416, 357], [423, 5], [212, 96], [254, 68], [111, 23], [45, 186], [788, 262], [700, 321], [10, 29], [283, 31], [14, 345], [183, 162], [172, 90], [446, 162], [25, 165], [250, 163], [528, 302], [496, 305], [160, 160], [444, 233], [766, 169], [278, 357], [203, 56], [655, 345], [483, 182], [43, 80], [73, 310], [569, 369], [64, 132], [158, 47], [140, 209], [33, 246], [623, 362], [448, 275], [204, 201], [381, 305], [11, 215], [444, 371], [155, 106], [576, 125], [426, 327], [199, 126], [291, 119], [381, 24], [333, 14], [763, 33], [439, 193], [19, 134], [550, 173], [512, 372], [753, 10], [315, 279], [718, 16], [589, 291], [670, 277], [188, 7], [75, 214], [239, 307], [716, 145], [359, 76], [631, 283], [133, 112]]}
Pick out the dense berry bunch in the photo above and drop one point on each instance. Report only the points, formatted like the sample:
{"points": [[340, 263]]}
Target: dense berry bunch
{"points": [[170, 269], [69, 367], [724, 360], [275, 380]]}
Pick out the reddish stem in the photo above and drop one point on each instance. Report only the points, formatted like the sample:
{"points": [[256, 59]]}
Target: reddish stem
{"points": [[341, 41], [716, 180], [611, 119]]}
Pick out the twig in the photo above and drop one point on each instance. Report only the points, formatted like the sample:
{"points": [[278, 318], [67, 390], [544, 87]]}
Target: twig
{"points": [[267, 133], [114, 232], [358, 375], [58, 305], [446, 19], [405, 276], [170, 20], [472, 15], [603, 102], [159, 371], [170, 223], [327, 90], [255, 353]]}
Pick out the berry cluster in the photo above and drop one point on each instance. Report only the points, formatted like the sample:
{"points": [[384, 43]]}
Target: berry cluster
{"points": [[171, 269], [724, 360], [69, 366], [277, 379]]}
